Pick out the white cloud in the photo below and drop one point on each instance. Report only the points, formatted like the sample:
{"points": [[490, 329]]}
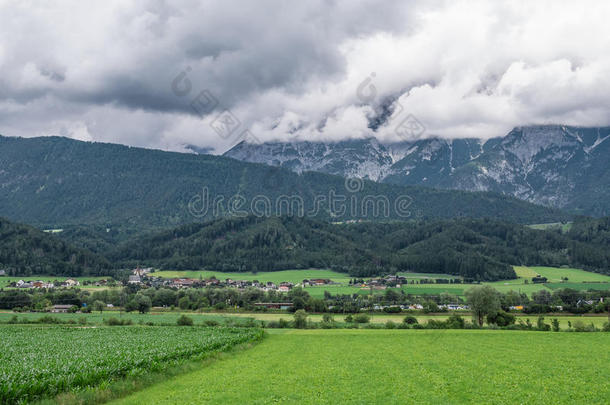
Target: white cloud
{"points": [[103, 70]]}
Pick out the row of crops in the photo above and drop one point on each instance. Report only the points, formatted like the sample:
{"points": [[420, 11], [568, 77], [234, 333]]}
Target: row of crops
{"points": [[39, 361]]}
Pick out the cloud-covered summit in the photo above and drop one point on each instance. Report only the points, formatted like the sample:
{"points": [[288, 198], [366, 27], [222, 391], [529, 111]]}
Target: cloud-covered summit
{"points": [[160, 74]]}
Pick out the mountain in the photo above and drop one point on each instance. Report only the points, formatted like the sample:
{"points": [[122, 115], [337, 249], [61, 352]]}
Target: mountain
{"points": [[25, 251], [479, 249], [558, 166], [56, 182]]}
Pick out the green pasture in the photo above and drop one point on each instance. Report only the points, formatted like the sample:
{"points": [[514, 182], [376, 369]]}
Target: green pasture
{"points": [[292, 276], [398, 367]]}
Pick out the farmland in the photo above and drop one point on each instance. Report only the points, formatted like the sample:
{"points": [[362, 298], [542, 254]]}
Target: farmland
{"points": [[400, 366], [38, 361]]}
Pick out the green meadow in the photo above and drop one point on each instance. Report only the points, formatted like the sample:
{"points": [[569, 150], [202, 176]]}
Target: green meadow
{"points": [[398, 367], [292, 276]]}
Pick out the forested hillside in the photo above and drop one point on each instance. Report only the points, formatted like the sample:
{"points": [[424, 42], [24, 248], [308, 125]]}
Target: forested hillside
{"points": [[54, 182], [25, 251], [477, 249]]}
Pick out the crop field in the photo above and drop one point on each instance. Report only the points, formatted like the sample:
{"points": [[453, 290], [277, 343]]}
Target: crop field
{"points": [[400, 366], [39, 361]]}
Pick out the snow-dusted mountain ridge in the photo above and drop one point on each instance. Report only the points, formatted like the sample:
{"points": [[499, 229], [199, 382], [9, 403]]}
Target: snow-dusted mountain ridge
{"points": [[561, 166]]}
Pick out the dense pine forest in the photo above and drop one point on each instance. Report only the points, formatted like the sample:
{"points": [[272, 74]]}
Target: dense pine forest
{"points": [[478, 249]]}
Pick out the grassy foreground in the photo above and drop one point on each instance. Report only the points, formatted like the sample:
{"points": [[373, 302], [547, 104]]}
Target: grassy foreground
{"points": [[43, 361], [400, 366]]}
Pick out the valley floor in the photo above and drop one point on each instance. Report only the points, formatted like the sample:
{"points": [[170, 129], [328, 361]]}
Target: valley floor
{"points": [[400, 366]]}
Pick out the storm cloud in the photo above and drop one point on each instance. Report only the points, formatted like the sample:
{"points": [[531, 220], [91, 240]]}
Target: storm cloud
{"points": [[165, 74]]}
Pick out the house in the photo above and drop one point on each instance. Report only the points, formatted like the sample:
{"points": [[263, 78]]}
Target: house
{"points": [[135, 279], [71, 282], [183, 282], [61, 308], [2, 272], [285, 286], [141, 272]]}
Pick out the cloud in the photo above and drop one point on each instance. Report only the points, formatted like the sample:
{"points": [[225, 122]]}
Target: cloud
{"points": [[327, 70]]}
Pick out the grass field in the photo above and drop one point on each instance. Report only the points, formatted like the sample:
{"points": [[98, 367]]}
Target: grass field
{"points": [[293, 276], [39, 361], [554, 274], [397, 367]]}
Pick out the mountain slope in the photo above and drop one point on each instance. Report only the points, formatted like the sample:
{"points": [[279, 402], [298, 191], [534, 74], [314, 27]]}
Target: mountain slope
{"points": [[52, 181], [472, 248], [559, 166], [25, 251]]}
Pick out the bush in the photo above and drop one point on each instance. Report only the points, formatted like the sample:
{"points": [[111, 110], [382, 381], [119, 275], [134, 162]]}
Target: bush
{"points": [[579, 326], [392, 310], [555, 325], [48, 319], [410, 320], [184, 321], [349, 318], [606, 327], [455, 322], [390, 325], [210, 322], [362, 318], [117, 322], [540, 325], [300, 319], [500, 318], [327, 318]]}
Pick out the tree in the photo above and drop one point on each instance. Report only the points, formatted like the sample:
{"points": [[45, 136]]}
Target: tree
{"points": [[99, 305], [482, 301], [143, 303], [184, 302], [300, 319]]}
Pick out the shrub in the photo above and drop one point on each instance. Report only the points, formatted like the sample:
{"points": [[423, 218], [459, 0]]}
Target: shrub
{"points": [[300, 319], [349, 318], [117, 322], [48, 319], [184, 321], [606, 327], [390, 325], [579, 326], [410, 320], [392, 310], [500, 318], [327, 318], [210, 322], [540, 325], [555, 325], [362, 318], [455, 322]]}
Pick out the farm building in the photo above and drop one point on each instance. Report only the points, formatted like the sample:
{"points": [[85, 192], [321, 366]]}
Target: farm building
{"points": [[61, 308], [274, 305]]}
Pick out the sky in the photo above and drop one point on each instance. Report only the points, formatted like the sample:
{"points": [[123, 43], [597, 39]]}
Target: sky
{"points": [[210, 74]]}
